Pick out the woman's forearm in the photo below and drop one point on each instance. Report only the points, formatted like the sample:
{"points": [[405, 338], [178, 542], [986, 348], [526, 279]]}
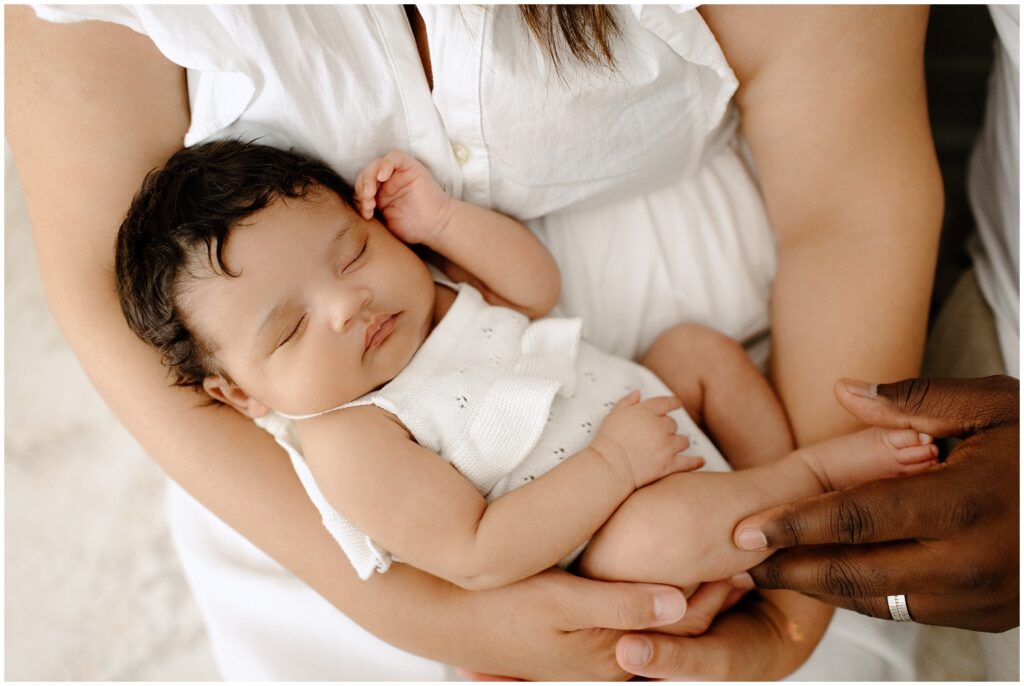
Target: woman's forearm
{"points": [[836, 119]]}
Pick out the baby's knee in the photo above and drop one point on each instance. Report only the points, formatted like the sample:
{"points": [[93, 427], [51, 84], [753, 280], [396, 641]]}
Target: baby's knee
{"points": [[696, 346]]}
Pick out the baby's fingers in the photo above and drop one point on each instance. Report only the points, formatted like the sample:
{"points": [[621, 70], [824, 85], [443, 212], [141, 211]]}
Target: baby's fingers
{"points": [[687, 463], [668, 425], [663, 404], [385, 170], [678, 443], [366, 189], [396, 159], [631, 399]]}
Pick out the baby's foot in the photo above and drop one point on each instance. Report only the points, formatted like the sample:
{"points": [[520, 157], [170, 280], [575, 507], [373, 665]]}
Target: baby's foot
{"points": [[868, 455]]}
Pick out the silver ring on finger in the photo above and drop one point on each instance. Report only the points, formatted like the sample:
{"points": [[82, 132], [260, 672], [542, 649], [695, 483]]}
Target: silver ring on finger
{"points": [[898, 608]]}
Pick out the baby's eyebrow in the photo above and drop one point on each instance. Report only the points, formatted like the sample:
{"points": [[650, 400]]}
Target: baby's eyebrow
{"points": [[274, 313], [345, 226]]}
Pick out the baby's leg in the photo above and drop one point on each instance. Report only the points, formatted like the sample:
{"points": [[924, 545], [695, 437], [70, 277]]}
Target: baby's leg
{"points": [[723, 392], [867, 455], [679, 530]]}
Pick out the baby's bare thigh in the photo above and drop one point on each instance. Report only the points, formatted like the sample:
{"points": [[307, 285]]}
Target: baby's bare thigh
{"points": [[688, 357], [675, 531]]}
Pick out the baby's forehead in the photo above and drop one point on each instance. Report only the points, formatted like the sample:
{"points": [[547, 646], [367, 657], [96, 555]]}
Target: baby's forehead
{"points": [[318, 209]]}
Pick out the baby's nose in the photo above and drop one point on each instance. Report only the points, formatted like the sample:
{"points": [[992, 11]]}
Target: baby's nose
{"points": [[346, 308]]}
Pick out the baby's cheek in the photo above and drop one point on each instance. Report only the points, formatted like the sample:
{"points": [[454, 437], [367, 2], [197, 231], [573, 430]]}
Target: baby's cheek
{"points": [[317, 386]]}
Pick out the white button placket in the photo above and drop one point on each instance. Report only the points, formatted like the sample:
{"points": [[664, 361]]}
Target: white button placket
{"points": [[461, 153], [428, 140], [460, 37]]}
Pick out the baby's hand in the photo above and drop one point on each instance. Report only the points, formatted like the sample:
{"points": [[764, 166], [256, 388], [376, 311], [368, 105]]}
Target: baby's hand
{"points": [[414, 206], [639, 439]]}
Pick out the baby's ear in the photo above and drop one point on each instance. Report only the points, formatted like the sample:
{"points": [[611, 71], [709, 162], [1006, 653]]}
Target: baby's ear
{"points": [[219, 388]]}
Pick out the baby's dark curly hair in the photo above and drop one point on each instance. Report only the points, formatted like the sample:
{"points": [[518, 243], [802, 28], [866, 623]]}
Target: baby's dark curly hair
{"points": [[181, 218]]}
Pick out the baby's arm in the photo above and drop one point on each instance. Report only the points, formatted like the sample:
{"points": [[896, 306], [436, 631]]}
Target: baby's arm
{"points": [[493, 252], [418, 507]]}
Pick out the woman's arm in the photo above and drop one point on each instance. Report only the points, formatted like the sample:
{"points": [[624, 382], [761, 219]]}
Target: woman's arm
{"points": [[832, 105], [495, 253], [90, 108]]}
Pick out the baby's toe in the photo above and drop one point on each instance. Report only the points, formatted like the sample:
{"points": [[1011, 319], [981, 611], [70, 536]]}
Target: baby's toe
{"points": [[905, 438], [917, 454], [916, 467]]}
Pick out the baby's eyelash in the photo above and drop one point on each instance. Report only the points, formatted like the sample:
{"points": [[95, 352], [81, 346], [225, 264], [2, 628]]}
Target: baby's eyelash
{"points": [[358, 257], [295, 330]]}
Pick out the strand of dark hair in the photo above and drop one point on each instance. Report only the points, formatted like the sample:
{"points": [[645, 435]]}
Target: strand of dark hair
{"points": [[588, 31]]}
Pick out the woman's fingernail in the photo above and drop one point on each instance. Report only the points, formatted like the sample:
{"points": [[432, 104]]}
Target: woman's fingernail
{"points": [[925, 438], [636, 651], [862, 389], [752, 539], [669, 606], [743, 581]]}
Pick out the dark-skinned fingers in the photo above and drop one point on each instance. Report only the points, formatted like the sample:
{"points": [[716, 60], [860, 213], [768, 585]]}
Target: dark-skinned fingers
{"points": [[976, 612], [923, 608], [940, 407], [999, 445], [861, 572], [977, 403], [920, 505], [996, 614]]}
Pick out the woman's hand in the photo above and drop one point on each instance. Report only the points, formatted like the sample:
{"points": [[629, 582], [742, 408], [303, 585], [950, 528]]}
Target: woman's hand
{"points": [[414, 206], [765, 637], [702, 607], [556, 626], [947, 538]]}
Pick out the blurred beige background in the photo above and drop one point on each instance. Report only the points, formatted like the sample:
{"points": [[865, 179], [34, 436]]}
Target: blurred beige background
{"points": [[93, 588]]}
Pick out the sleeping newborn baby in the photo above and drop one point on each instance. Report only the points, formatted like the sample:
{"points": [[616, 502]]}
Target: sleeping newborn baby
{"points": [[433, 417]]}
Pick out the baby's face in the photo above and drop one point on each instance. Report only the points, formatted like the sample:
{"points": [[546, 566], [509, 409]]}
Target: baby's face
{"points": [[325, 308]]}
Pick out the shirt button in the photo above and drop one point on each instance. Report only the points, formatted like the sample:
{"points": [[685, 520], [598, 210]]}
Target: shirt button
{"points": [[461, 152]]}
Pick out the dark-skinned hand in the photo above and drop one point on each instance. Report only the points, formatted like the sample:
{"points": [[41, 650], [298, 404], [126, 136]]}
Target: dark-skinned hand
{"points": [[947, 538]]}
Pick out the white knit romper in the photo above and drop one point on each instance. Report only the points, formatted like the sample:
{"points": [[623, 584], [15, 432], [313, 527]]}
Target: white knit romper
{"points": [[502, 399]]}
